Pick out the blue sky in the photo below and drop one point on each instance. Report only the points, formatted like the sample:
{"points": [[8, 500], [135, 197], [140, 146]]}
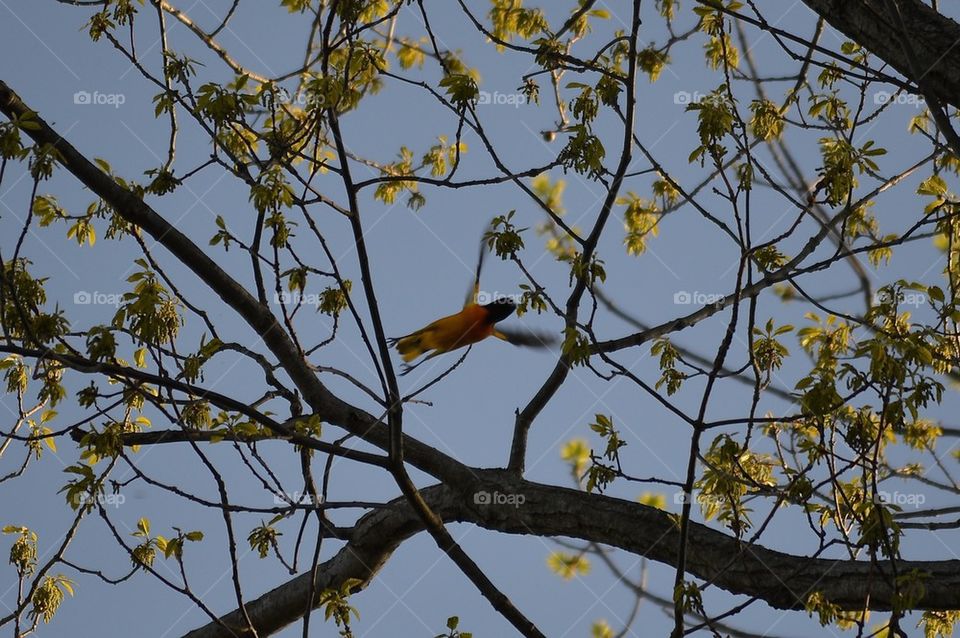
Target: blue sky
{"points": [[421, 267]]}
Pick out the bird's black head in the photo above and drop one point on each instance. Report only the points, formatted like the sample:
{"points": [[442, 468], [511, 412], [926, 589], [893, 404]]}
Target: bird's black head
{"points": [[499, 309]]}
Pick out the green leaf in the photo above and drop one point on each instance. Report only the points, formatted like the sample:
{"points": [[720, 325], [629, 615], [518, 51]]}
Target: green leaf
{"points": [[934, 186], [461, 88]]}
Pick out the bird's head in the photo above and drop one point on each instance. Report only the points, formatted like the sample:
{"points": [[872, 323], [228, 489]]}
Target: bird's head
{"points": [[500, 309]]}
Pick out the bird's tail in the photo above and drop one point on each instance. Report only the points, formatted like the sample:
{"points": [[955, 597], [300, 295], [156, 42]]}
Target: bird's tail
{"points": [[409, 347]]}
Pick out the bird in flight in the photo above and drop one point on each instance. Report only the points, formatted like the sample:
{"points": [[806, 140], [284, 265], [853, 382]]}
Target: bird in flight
{"points": [[475, 322]]}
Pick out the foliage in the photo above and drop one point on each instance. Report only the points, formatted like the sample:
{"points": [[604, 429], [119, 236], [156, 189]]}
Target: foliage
{"points": [[811, 387]]}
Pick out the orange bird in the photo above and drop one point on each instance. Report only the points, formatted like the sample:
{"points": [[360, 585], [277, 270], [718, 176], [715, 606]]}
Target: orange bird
{"points": [[475, 322]]}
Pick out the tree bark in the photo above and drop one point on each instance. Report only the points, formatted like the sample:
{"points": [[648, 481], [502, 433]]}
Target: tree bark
{"points": [[783, 580], [936, 54]]}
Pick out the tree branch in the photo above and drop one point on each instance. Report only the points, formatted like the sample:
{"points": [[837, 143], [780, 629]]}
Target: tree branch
{"points": [[937, 61], [783, 580], [134, 210]]}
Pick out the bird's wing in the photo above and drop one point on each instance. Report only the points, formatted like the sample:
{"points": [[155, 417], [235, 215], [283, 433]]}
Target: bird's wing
{"points": [[526, 338], [475, 289]]}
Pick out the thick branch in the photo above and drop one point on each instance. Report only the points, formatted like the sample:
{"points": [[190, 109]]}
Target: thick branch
{"points": [[783, 580], [867, 23]]}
